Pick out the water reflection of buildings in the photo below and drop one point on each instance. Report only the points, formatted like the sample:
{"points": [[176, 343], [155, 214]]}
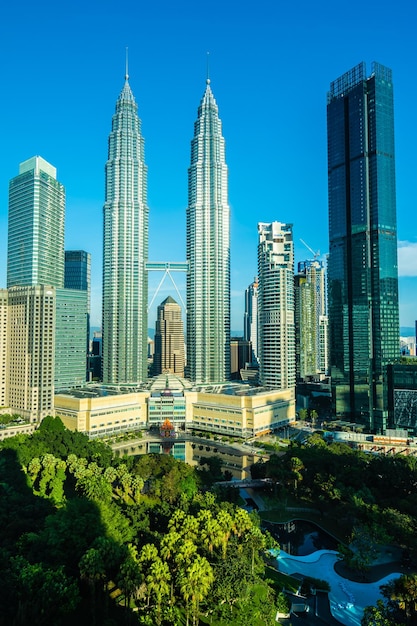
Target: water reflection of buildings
{"points": [[236, 462]]}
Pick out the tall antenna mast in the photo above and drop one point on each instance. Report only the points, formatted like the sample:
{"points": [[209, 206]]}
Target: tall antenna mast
{"points": [[127, 63], [208, 69]]}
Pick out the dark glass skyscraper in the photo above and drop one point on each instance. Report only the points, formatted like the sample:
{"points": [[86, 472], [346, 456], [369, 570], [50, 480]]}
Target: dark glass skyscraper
{"points": [[362, 273], [78, 276]]}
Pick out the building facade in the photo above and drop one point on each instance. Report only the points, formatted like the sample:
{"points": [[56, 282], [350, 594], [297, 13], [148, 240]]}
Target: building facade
{"points": [[240, 356], [250, 319], [125, 252], [276, 325], [362, 269], [4, 350], [208, 249], [78, 271], [31, 348], [78, 276], [224, 410], [70, 346], [169, 355], [35, 253], [310, 319]]}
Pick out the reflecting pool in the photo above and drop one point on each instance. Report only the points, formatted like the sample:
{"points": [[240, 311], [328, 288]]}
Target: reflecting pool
{"points": [[192, 451], [300, 538]]}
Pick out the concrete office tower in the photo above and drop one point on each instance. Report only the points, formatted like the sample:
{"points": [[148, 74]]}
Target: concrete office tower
{"points": [[125, 253], [250, 319], [208, 250], [35, 252], [169, 339], [31, 346], [276, 305], [310, 319], [4, 352], [362, 270]]}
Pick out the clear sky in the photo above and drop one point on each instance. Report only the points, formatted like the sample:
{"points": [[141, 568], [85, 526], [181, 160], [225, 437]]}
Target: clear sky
{"points": [[271, 63]]}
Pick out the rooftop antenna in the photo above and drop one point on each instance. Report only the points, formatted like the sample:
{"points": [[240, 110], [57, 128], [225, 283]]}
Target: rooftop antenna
{"points": [[127, 64], [208, 69]]}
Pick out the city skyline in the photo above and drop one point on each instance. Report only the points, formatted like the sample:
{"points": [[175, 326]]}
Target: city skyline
{"points": [[275, 144]]}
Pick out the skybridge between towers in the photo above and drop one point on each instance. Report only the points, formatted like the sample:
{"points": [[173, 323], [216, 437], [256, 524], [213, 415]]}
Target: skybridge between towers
{"points": [[167, 267]]}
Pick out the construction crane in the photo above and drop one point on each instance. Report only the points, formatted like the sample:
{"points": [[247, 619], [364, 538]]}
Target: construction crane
{"points": [[315, 254]]}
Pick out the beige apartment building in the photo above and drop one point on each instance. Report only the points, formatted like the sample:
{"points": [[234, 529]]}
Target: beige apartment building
{"points": [[30, 341]]}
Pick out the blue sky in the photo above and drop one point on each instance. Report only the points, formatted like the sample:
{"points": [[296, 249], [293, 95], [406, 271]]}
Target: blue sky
{"points": [[271, 63]]}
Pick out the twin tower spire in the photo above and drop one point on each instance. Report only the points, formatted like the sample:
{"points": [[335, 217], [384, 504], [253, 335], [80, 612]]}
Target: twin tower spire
{"points": [[125, 252]]}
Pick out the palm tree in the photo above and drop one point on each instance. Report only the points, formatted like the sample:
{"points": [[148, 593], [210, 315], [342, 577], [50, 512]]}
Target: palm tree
{"points": [[403, 592], [195, 582], [130, 575], [226, 524], [148, 555], [168, 550], [296, 465], [158, 581]]}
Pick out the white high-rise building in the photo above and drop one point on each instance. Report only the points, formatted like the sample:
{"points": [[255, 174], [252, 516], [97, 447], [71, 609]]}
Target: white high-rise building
{"points": [[208, 249], [276, 305], [125, 280]]}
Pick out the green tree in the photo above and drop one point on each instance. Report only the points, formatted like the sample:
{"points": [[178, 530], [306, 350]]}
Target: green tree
{"points": [[130, 575], [296, 467], [194, 582], [44, 594], [378, 615], [302, 414], [158, 582], [403, 592]]}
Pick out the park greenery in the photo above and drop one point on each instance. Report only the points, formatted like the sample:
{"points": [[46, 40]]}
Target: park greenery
{"points": [[367, 501], [92, 539]]}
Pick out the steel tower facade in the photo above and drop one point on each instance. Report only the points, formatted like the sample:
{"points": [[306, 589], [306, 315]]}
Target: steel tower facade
{"points": [[208, 249], [363, 272], [126, 217]]}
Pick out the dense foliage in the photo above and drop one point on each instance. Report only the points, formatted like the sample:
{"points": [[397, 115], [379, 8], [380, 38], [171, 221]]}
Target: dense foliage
{"points": [[89, 539], [373, 499], [369, 495]]}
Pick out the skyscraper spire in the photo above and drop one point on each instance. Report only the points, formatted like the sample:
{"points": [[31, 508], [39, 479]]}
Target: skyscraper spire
{"points": [[126, 216], [208, 249]]}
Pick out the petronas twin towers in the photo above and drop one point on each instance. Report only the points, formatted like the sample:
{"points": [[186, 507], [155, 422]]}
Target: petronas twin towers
{"points": [[125, 255]]}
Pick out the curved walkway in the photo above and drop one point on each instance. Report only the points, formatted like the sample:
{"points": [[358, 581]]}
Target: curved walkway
{"points": [[347, 598]]}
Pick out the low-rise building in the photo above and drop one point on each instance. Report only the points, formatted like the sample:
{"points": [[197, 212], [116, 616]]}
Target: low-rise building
{"points": [[230, 409], [102, 412]]}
